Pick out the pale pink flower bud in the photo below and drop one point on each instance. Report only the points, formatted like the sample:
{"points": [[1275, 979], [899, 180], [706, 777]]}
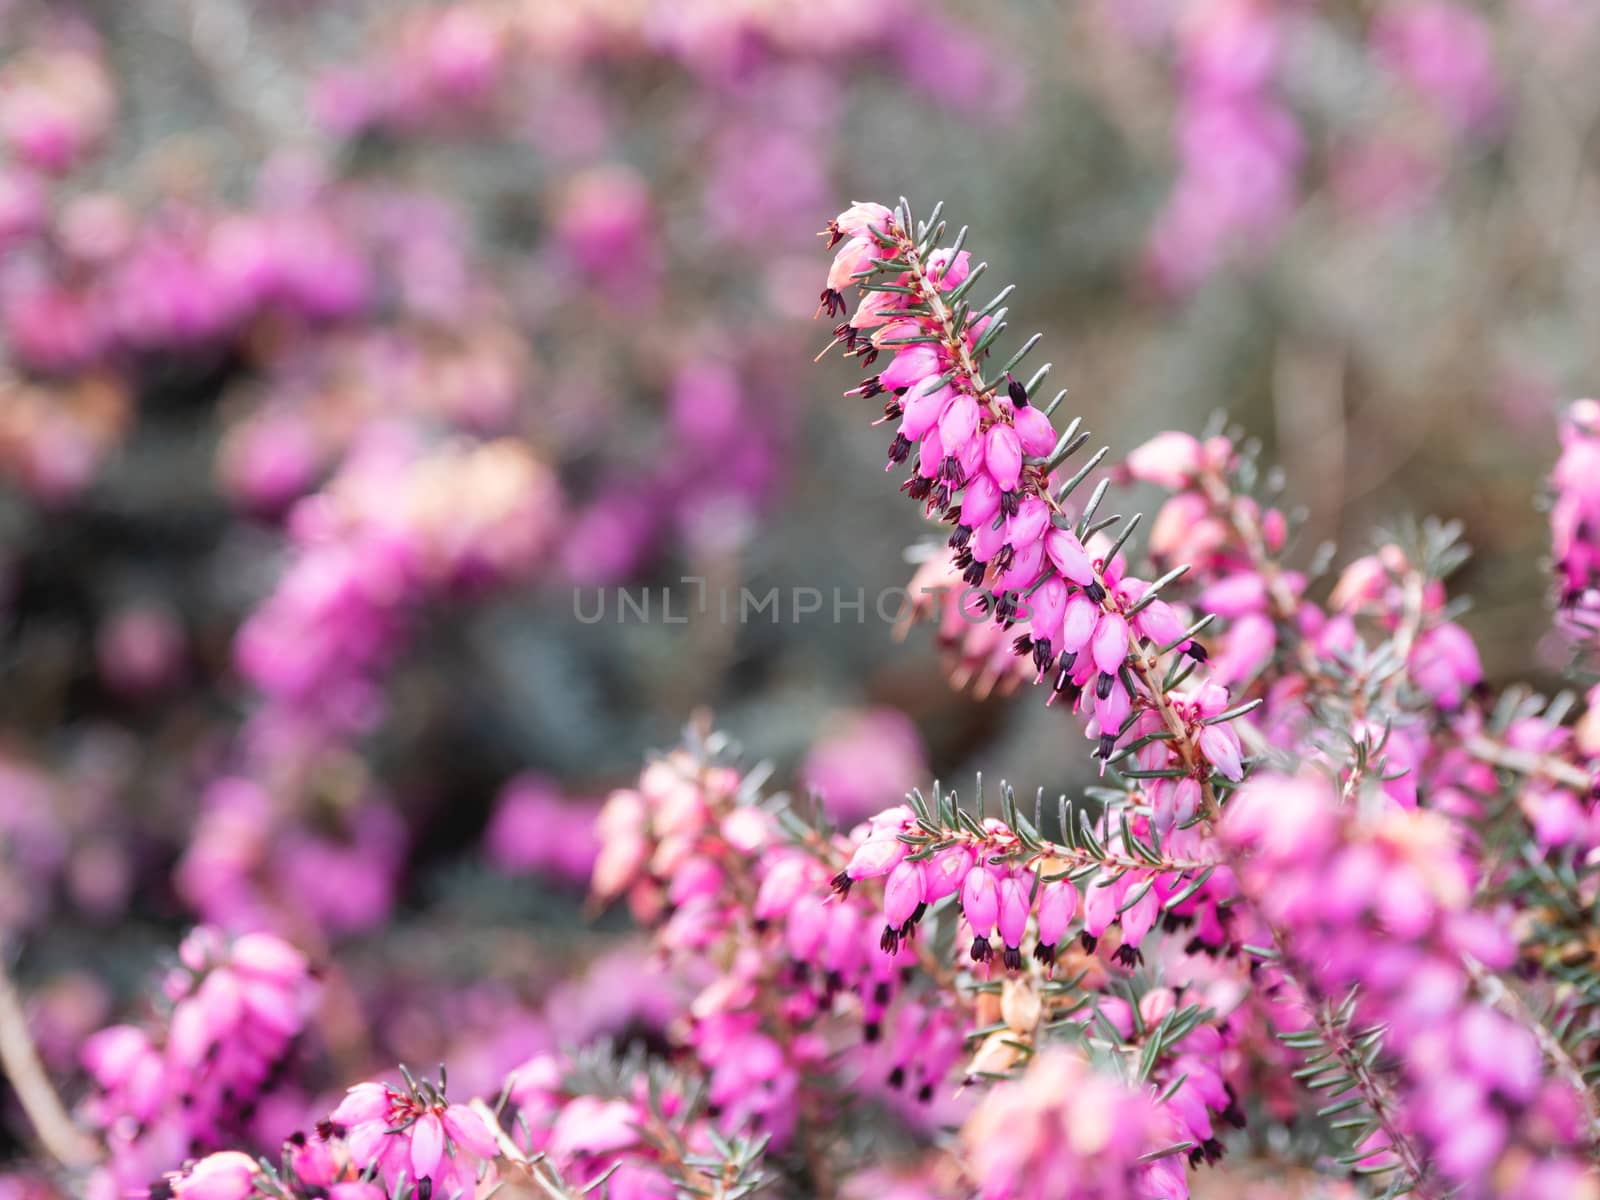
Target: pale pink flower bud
{"points": [[427, 1145], [959, 423], [1048, 606], [1033, 516], [924, 405], [1159, 622], [785, 883], [875, 310], [980, 900], [226, 1175], [1274, 529], [1221, 747], [806, 927], [1058, 902], [466, 1128], [980, 502], [1235, 595], [1110, 645], [1112, 709], [1444, 663], [362, 1103], [269, 957], [1078, 625], [1100, 906], [1002, 457], [1183, 529], [1209, 699], [911, 365], [1069, 556], [841, 949], [1185, 800], [1362, 582], [1138, 917], [876, 857], [1013, 916], [902, 893], [1247, 647], [618, 863], [111, 1055], [189, 1035], [943, 874], [862, 217], [854, 257], [1034, 432], [1168, 460]]}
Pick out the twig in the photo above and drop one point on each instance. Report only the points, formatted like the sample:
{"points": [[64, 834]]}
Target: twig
{"points": [[64, 1141], [512, 1153], [1526, 762], [1494, 990]]}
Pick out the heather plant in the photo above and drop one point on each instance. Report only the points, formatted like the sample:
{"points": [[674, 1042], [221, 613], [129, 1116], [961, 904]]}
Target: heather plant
{"points": [[1326, 885], [1280, 887]]}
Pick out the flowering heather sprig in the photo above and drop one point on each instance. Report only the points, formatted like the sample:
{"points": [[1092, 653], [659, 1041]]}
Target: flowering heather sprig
{"points": [[1380, 689], [1382, 903], [1377, 673], [399, 527], [237, 1011], [1230, 126], [1064, 1130], [331, 864], [1242, 138], [1232, 542], [722, 876], [637, 1129], [984, 458], [1007, 879], [414, 1133]]}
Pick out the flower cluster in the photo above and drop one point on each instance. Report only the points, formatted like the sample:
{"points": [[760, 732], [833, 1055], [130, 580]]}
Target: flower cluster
{"points": [[1321, 877], [248, 865], [413, 1134], [694, 853], [1381, 904], [609, 1128], [985, 461], [1065, 1130], [1232, 128], [397, 528], [1242, 130], [1309, 879], [471, 61], [1005, 877], [237, 1010]]}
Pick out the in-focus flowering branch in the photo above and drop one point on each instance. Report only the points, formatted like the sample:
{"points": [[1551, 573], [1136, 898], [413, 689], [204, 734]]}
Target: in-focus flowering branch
{"points": [[986, 462]]}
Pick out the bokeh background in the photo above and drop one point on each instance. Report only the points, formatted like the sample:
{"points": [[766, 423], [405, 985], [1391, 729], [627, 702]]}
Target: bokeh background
{"points": [[344, 341]]}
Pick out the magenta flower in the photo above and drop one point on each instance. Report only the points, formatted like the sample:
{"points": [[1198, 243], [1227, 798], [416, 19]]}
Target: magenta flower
{"points": [[415, 1135]]}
